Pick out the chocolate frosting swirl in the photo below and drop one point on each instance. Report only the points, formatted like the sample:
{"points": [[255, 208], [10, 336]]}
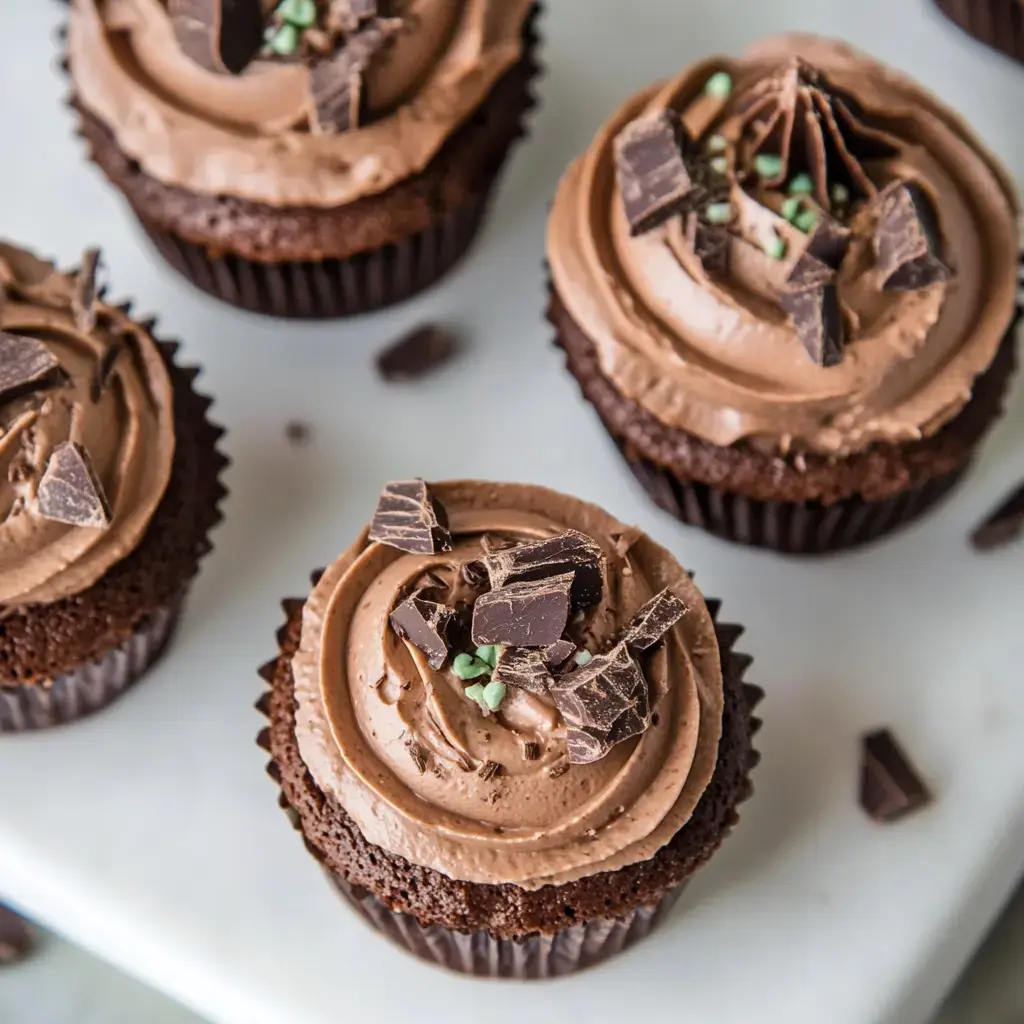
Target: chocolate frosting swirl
{"points": [[365, 697], [125, 426], [709, 355]]}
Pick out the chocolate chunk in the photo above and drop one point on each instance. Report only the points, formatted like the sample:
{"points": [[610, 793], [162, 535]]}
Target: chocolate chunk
{"points": [[908, 240], [522, 667], [416, 354], [818, 320], [711, 244], [489, 770], [336, 83], [559, 653], [653, 178], [528, 614], [70, 492], [475, 574], [654, 620], [219, 35], [889, 785], [596, 695], [1004, 525], [83, 302], [585, 746], [410, 518], [25, 364], [569, 552], [15, 937], [425, 625], [829, 242]]}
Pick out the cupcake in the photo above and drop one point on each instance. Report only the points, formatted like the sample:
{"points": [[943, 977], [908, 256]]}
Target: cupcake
{"points": [[997, 23], [508, 726], [108, 489], [309, 158], [787, 283]]}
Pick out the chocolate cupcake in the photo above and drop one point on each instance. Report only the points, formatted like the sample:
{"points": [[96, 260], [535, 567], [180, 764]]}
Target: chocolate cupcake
{"points": [[997, 23], [508, 726], [108, 489], [787, 282], [309, 158]]}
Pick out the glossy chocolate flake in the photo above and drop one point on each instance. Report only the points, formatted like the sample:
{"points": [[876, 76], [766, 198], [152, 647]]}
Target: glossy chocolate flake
{"points": [[654, 620], [425, 625], [523, 667], [410, 518], [1003, 525], [25, 364], [908, 241], [83, 302], [532, 613], [218, 35], [889, 785], [417, 353], [70, 492]]}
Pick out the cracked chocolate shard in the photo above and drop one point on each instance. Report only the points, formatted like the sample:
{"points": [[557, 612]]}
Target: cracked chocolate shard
{"points": [[218, 35], [654, 181], [1003, 525], [533, 613], [586, 745], [890, 787], [425, 625], [417, 353], [908, 241], [25, 364], [83, 302], [598, 694], [654, 620], [569, 552], [811, 300], [559, 653], [410, 518], [336, 83], [520, 666], [70, 492]]}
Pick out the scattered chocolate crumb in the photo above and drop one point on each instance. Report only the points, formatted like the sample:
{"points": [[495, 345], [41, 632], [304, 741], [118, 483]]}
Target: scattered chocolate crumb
{"points": [[297, 433], [558, 769], [417, 353], [890, 787], [419, 757], [1003, 525], [531, 750], [438, 771], [489, 770]]}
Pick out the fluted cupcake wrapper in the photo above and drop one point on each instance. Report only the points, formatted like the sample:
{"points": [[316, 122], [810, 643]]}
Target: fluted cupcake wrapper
{"points": [[997, 23]]}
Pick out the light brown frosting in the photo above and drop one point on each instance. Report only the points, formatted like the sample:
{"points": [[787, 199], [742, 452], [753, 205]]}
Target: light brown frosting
{"points": [[128, 432], [363, 694], [246, 135], [700, 356]]}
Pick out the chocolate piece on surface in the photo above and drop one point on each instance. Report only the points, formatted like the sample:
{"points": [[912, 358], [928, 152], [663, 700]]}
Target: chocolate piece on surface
{"points": [[16, 940], [1003, 525], [425, 625], [907, 240], [489, 770], [818, 320], [532, 613], [653, 178], [83, 302], [520, 666], [336, 83], [417, 353], [70, 492], [585, 747], [889, 785], [654, 620], [569, 552], [219, 35], [559, 653], [298, 433], [410, 518], [606, 687], [25, 364]]}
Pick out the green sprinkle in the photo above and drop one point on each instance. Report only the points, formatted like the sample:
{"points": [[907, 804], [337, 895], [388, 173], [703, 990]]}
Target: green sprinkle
{"points": [[767, 165], [718, 213], [717, 144], [476, 693], [489, 654], [582, 658], [840, 194], [285, 41], [301, 13], [801, 185], [719, 164], [719, 85], [806, 221], [494, 694], [465, 666], [776, 248], [791, 207]]}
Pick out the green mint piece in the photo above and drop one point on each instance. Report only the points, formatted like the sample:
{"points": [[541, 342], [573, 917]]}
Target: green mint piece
{"points": [[476, 693], [768, 165], [582, 658], [465, 666], [494, 694], [805, 221], [488, 654], [719, 164], [840, 194], [285, 40], [719, 85], [801, 185], [301, 13], [718, 213], [791, 207], [776, 248], [717, 144]]}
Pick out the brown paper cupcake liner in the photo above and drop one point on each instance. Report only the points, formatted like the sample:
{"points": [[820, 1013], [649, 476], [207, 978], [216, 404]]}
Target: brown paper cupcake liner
{"points": [[93, 686], [997, 23], [567, 950]]}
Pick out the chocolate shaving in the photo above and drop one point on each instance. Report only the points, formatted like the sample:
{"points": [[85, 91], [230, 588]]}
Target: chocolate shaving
{"points": [[410, 518], [475, 574], [811, 300], [711, 244], [559, 653], [417, 353], [218, 35], [654, 620], [531, 750], [425, 625], [418, 755], [522, 667], [83, 302], [908, 241], [533, 613], [1003, 525], [654, 181], [70, 492], [489, 770], [889, 785], [25, 365], [569, 552]]}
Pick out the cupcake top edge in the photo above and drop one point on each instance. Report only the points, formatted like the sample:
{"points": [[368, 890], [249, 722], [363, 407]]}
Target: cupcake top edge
{"points": [[86, 430], [800, 249], [507, 685], [299, 102]]}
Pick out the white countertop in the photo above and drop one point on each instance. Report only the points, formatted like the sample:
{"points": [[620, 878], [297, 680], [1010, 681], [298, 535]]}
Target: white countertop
{"points": [[150, 834]]}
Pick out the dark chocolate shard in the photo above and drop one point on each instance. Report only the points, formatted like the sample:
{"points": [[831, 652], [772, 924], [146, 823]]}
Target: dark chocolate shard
{"points": [[711, 244], [654, 181], [25, 364], [585, 746], [829, 242], [908, 241], [70, 492], [816, 315], [532, 613], [890, 787], [520, 666], [336, 83], [417, 353], [410, 518], [83, 302], [218, 35], [425, 625], [16, 939], [569, 552], [654, 620], [809, 272], [559, 653], [1003, 525]]}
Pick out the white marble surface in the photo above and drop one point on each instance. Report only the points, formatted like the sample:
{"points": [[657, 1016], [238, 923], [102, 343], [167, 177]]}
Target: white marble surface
{"points": [[150, 834]]}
